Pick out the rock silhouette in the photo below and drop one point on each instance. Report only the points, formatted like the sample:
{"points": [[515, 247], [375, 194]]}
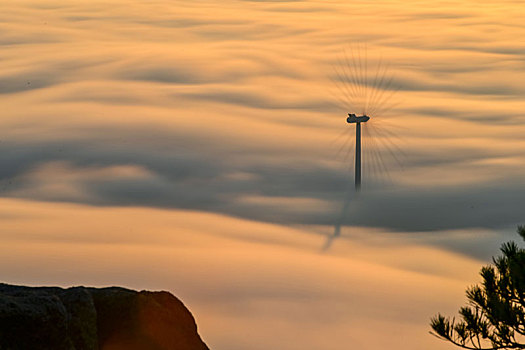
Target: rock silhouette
{"points": [[81, 318]]}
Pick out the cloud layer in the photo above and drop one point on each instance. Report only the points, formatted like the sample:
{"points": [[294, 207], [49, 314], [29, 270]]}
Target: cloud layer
{"points": [[233, 114], [201, 147], [250, 285]]}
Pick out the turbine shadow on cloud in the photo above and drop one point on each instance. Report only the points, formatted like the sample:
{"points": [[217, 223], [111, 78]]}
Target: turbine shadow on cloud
{"points": [[364, 86]]}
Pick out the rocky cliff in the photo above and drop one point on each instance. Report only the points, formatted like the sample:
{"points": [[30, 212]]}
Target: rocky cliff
{"points": [[94, 318]]}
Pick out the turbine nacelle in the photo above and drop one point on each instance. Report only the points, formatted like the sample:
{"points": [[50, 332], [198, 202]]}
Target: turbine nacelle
{"points": [[352, 118]]}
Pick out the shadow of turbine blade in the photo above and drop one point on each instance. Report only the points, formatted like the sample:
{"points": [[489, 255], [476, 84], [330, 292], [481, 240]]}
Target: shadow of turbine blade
{"points": [[364, 91]]}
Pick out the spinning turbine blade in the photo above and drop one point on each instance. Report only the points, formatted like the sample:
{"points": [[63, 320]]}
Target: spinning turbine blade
{"points": [[365, 97]]}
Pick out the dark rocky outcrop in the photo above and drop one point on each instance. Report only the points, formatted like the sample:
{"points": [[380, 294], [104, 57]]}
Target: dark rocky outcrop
{"points": [[94, 318]]}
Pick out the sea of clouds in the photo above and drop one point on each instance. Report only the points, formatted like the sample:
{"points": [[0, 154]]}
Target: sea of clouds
{"points": [[226, 110]]}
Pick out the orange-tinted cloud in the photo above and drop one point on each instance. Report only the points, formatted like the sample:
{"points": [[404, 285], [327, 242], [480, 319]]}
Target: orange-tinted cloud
{"points": [[243, 280], [213, 110]]}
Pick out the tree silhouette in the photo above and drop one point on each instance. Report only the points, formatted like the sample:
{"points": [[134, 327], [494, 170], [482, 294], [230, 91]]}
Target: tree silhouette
{"points": [[495, 315]]}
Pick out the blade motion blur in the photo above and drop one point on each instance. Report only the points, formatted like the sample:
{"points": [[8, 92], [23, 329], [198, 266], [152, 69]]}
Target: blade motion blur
{"points": [[364, 91]]}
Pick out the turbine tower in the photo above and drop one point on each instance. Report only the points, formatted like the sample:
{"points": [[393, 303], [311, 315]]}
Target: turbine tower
{"points": [[353, 119], [371, 93]]}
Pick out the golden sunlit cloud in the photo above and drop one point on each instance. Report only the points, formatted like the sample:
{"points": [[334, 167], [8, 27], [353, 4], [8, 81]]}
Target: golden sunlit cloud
{"points": [[195, 146], [239, 275]]}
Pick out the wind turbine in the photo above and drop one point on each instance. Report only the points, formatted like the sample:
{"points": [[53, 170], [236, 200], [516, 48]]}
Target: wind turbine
{"points": [[357, 120], [371, 93]]}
